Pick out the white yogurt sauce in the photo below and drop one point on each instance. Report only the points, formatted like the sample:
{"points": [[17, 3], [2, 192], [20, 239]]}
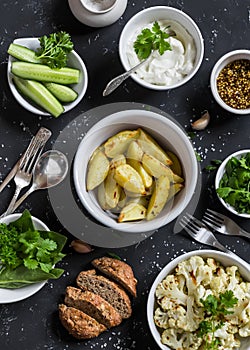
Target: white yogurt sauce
{"points": [[171, 67]]}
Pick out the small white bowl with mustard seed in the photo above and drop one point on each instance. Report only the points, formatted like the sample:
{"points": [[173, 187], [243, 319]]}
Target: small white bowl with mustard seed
{"points": [[230, 81]]}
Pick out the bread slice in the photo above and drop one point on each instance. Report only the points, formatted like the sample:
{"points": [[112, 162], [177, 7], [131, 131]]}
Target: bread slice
{"points": [[79, 324], [108, 290], [93, 305], [119, 271]]}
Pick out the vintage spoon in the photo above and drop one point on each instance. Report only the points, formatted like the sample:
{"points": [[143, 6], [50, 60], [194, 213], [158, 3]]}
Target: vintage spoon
{"points": [[50, 170], [114, 83]]}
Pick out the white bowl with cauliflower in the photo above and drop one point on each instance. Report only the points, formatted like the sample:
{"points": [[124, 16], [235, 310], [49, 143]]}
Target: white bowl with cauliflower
{"points": [[201, 297]]}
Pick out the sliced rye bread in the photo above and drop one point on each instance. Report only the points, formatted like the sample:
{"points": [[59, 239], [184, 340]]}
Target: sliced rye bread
{"points": [[119, 271], [93, 305], [108, 290], [79, 324]]}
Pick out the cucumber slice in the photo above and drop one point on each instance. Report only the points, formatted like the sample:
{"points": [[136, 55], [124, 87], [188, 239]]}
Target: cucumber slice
{"points": [[61, 92], [22, 53], [43, 73], [40, 95]]}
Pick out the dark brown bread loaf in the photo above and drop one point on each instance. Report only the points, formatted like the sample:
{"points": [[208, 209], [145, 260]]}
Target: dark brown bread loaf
{"points": [[108, 290], [119, 271], [79, 324], [93, 305]]}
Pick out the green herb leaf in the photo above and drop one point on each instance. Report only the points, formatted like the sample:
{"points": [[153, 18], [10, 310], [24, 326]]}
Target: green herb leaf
{"points": [[151, 39], [22, 248], [54, 49], [215, 309], [234, 186]]}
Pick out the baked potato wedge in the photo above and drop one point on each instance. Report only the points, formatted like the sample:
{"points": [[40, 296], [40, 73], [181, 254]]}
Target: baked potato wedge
{"points": [[129, 179], [176, 165], [156, 168], [112, 190], [117, 160], [118, 143], [134, 151], [132, 212], [101, 196], [159, 197], [98, 168], [150, 146]]}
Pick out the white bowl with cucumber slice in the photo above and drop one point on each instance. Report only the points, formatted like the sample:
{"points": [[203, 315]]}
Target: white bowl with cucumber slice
{"points": [[31, 84]]}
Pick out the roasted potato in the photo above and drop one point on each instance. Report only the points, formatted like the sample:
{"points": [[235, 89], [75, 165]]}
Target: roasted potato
{"points": [[150, 146], [132, 212], [129, 179], [118, 143], [112, 190], [159, 197], [98, 168], [156, 168], [176, 165]]}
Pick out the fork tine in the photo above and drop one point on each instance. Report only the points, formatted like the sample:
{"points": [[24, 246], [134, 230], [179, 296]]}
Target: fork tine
{"points": [[186, 226], [33, 156], [196, 222], [213, 214]]}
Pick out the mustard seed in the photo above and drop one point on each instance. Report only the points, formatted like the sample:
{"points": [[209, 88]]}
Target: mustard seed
{"points": [[233, 84]]}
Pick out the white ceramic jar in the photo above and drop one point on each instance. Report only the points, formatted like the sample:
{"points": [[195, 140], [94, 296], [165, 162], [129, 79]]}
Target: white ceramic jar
{"points": [[97, 13]]}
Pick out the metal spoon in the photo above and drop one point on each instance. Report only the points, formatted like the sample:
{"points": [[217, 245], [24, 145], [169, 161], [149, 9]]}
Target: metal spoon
{"points": [[114, 83], [50, 170]]}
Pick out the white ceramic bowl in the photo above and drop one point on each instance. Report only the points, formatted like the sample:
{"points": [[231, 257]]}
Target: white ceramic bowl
{"points": [[13, 295], [74, 61], [220, 173], [167, 133], [152, 14], [219, 65], [223, 258]]}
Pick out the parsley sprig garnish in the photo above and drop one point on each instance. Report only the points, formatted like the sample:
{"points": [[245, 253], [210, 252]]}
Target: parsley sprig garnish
{"points": [[152, 39], [215, 310], [54, 49]]}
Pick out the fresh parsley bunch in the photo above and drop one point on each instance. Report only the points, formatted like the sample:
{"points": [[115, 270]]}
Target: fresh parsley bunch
{"points": [[151, 39], [234, 186], [54, 49], [215, 310], [28, 255]]}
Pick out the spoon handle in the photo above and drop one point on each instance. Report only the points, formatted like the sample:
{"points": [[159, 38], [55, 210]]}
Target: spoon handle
{"points": [[114, 83], [24, 196]]}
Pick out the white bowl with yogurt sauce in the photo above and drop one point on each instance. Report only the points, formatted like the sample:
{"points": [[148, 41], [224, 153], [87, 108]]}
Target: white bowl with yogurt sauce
{"points": [[174, 68]]}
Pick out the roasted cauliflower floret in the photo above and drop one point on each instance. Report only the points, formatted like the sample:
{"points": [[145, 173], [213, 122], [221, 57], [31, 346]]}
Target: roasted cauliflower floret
{"points": [[181, 341], [161, 318], [171, 287]]}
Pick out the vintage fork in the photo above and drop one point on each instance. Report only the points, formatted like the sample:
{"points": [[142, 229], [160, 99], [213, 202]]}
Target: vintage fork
{"points": [[199, 232], [223, 224], [24, 173]]}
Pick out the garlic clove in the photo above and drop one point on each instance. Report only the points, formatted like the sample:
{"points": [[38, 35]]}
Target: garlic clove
{"points": [[81, 246], [202, 123]]}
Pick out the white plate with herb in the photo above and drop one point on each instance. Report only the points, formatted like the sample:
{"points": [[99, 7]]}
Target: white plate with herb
{"points": [[21, 282]]}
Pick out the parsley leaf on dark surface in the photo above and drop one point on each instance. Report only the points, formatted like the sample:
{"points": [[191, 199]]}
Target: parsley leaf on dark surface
{"points": [[54, 49], [151, 39]]}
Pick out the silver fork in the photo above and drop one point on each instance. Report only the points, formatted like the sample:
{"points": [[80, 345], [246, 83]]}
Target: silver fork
{"points": [[24, 173], [223, 224], [199, 232]]}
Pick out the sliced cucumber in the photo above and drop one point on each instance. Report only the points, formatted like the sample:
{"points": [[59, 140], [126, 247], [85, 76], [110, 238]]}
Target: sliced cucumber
{"points": [[22, 53], [61, 92], [38, 93], [43, 73]]}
